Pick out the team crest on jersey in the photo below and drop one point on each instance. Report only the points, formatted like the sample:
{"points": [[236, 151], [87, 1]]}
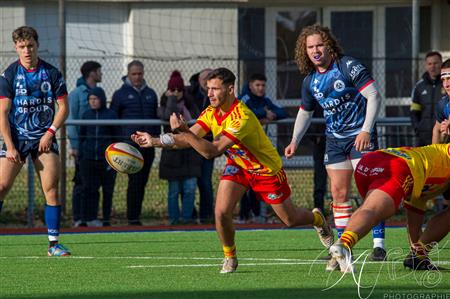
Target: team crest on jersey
{"points": [[234, 126], [339, 85], [46, 86]]}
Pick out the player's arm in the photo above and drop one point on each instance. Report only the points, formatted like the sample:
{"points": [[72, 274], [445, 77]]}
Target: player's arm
{"points": [[414, 225], [59, 119], [370, 92], [440, 132], [175, 141], [11, 154], [302, 123], [205, 148]]}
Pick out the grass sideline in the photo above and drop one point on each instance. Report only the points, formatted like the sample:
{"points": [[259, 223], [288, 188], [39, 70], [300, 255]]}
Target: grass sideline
{"points": [[273, 264]]}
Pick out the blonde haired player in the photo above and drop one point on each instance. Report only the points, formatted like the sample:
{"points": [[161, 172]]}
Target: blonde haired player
{"points": [[252, 162]]}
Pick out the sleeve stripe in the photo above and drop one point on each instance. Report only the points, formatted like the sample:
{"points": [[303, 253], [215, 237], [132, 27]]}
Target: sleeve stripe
{"points": [[203, 125], [235, 140], [62, 96], [367, 84]]}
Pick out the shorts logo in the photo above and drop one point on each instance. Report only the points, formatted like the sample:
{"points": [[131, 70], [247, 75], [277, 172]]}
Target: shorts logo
{"points": [[230, 170], [339, 85], [274, 196]]}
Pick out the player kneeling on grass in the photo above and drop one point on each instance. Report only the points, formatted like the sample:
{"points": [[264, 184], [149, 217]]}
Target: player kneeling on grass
{"points": [[387, 177], [252, 162]]}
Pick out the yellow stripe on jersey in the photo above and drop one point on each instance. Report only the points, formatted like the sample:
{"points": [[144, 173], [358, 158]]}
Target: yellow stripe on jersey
{"points": [[430, 168], [252, 150]]}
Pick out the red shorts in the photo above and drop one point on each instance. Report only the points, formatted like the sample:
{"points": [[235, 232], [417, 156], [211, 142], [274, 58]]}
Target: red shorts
{"points": [[391, 174], [271, 189]]}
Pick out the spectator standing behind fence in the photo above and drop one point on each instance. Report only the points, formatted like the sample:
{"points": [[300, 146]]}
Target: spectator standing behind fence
{"points": [[136, 100], [180, 167], [95, 172], [197, 90], [254, 96], [30, 90], [91, 74], [425, 96]]}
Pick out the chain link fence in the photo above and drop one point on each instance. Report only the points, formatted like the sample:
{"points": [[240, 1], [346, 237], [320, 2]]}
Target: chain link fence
{"points": [[25, 202]]}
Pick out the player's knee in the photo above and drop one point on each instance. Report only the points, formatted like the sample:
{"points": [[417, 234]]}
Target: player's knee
{"points": [[222, 216], [51, 194]]}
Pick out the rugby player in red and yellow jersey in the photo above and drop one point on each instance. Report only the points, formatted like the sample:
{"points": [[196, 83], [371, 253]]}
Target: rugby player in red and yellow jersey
{"points": [[387, 177], [252, 162]]}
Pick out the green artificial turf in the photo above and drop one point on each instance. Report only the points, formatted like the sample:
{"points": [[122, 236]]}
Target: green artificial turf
{"points": [[272, 264]]}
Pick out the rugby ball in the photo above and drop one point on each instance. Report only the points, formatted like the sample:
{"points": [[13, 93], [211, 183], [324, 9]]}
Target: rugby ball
{"points": [[124, 158]]}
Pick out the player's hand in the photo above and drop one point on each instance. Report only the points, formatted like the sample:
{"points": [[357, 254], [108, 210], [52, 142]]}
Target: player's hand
{"points": [[289, 151], [74, 153], [143, 139], [445, 127], [46, 142], [270, 115], [177, 123], [362, 141], [13, 156]]}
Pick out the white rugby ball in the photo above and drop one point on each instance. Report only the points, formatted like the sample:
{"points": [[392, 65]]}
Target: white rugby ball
{"points": [[124, 158]]}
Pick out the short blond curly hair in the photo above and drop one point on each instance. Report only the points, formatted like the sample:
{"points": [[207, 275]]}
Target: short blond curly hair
{"points": [[305, 65]]}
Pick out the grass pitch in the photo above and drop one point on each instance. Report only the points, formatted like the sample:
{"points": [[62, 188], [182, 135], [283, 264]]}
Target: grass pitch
{"points": [[272, 264]]}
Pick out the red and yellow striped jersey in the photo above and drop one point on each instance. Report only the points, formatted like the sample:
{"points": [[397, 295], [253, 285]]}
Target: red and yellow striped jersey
{"points": [[252, 149], [430, 168]]}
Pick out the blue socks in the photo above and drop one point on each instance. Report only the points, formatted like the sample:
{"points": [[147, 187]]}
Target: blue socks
{"points": [[340, 231], [378, 235], [53, 220]]}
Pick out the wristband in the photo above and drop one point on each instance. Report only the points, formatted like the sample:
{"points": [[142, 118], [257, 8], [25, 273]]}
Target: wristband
{"points": [[52, 130], [166, 139]]}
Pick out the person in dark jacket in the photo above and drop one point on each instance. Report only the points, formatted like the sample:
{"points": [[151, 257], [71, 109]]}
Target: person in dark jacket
{"points": [[254, 96], [197, 90], [95, 171], [426, 93], [180, 167], [135, 100]]}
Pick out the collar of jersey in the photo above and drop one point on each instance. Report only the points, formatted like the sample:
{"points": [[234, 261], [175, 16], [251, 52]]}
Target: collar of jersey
{"points": [[28, 70], [219, 118], [328, 68]]}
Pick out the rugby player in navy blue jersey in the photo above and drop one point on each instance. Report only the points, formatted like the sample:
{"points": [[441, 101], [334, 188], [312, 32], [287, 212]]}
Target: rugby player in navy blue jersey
{"points": [[30, 90], [350, 100]]}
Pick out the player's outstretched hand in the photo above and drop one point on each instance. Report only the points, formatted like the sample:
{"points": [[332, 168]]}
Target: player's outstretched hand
{"points": [[143, 139], [362, 141], [289, 151], [178, 123]]}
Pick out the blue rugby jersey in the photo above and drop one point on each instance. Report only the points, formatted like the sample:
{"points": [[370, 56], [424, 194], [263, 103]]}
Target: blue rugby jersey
{"points": [[33, 94], [337, 90], [443, 109]]}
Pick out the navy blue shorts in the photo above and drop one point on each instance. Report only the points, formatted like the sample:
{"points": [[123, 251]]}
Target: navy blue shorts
{"points": [[341, 149], [31, 147]]}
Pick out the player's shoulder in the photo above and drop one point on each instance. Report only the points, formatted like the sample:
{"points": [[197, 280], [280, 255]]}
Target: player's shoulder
{"points": [[47, 66], [208, 111], [10, 71]]}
